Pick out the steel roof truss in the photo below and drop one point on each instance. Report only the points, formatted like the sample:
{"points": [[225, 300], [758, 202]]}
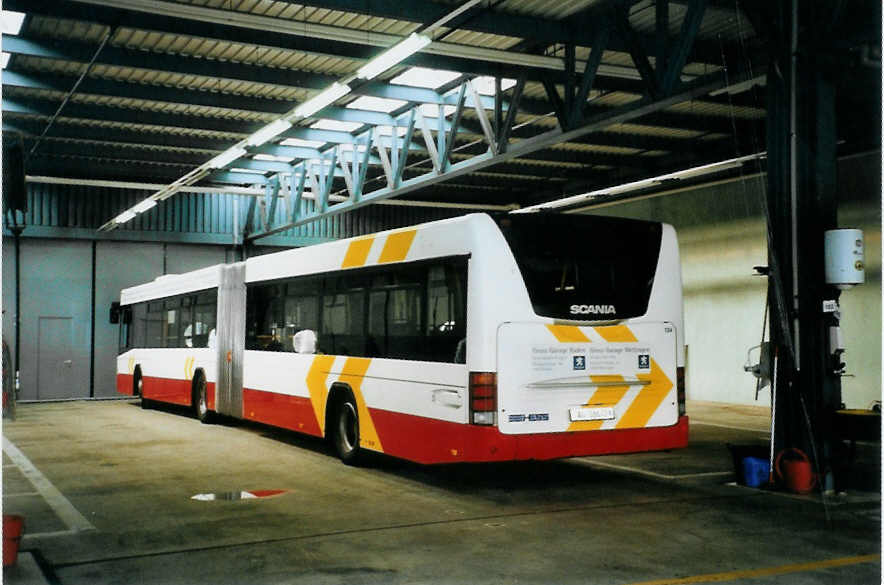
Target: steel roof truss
{"points": [[631, 111]]}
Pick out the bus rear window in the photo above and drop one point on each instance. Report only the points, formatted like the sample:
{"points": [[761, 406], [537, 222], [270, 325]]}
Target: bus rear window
{"points": [[582, 267]]}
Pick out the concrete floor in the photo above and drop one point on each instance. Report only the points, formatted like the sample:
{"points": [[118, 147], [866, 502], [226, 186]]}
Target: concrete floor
{"points": [[106, 490]]}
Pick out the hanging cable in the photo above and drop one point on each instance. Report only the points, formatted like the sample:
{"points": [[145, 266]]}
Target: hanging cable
{"points": [[73, 90]]}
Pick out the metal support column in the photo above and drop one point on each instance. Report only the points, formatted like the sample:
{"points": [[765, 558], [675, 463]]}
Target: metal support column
{"points": [[802, 205]]}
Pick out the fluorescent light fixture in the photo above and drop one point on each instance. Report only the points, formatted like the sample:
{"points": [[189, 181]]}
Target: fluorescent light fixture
{"points": [[145, 205], [273, 158], [249, 171], [11, 22], [226, 157], [325, 98], [376, 104], [267, 132], [125, 216], [394, 55], [337, 125], [4, 60], [301, 142], [699, 171], [426, 78], [485, 85]]}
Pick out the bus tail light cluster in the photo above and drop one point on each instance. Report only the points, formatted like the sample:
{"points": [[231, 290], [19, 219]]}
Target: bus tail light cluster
{"points": [[680, 390], [483, 398]]}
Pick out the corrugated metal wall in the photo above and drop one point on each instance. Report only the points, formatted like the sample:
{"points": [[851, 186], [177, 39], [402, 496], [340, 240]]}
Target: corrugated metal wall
{"points": [[70, 273], [73, 210]]}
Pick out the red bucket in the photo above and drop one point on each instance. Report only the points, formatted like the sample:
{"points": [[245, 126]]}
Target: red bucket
{"points": [[13, 526], [793, 467]]}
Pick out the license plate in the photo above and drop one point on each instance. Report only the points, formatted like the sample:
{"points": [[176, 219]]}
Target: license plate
{"points": [[592, 413]]}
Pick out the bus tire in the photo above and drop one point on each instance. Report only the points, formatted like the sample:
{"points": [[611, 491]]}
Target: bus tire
{"points": [[201, 399], [345, 435], [138, 389]]}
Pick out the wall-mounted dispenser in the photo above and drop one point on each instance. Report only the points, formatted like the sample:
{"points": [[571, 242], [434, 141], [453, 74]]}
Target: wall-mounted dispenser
{"points": [[845, 258]]}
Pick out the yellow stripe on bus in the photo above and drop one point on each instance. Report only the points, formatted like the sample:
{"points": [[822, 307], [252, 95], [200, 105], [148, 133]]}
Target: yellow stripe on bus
{"points": [[567, 333], [352, 375], [605, 396], [616, 334], [648, 400], [397, 246], [319, 370], [357, 253]]}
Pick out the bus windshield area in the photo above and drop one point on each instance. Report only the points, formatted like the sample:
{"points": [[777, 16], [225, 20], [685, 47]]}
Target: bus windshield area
{"points": [[582, 267]]}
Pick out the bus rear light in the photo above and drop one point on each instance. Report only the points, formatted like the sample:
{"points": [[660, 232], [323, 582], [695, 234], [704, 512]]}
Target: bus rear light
{"points": [[680, 390], [483, 398]]}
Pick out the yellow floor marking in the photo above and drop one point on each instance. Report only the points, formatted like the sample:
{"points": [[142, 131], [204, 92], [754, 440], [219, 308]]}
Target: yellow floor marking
{"points": [[567, 333], [357, 253], [765, 572]]}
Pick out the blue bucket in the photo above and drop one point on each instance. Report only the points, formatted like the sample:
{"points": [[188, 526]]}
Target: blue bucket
{"points": [[756, 471]]}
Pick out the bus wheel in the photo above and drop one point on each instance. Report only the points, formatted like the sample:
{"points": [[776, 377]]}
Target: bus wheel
{"points": [[201, 401], [139, 389], [346, 431]]}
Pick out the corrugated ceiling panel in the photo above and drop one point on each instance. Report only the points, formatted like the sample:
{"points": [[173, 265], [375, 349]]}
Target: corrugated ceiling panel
{"points": [[702, 108], [544, 8]]}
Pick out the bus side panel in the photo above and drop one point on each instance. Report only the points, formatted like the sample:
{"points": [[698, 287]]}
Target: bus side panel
{"points": [[167, 374], [276, 390], [280, 410], [126, 384], [170, 390]]}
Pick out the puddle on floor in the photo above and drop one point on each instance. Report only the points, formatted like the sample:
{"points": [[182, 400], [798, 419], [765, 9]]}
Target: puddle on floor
{"points": [[236, 496]]}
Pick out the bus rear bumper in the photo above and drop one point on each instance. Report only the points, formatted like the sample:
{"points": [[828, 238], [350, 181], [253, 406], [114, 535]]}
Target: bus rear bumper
{"points": [[496, 446], [431, 441]]}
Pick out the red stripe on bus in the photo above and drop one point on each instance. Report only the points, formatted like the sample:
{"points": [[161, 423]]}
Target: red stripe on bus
{"points": [[126, 384], [210, 395], [167, 390], [427, 440], [280, 410]]}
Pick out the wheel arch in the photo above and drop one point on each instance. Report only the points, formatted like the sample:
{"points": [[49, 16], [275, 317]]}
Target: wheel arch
{"points": [[338, 392]]}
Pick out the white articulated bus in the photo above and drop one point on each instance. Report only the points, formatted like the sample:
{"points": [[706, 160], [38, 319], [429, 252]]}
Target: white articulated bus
{"points": [[525, 336]]}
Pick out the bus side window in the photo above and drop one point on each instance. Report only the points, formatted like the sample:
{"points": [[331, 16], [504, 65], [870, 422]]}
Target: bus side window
{"points": [[155, 315], [446, 313]]}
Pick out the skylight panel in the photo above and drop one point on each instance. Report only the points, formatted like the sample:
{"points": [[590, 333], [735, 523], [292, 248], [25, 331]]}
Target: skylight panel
{"points": [[432, 110], [485, 85], [302, 142], [11, 22], [336, 125], [426, 78], [376, 104]]}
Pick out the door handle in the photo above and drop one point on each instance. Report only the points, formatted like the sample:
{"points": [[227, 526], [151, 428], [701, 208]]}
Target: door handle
{"points": [[68, 363], [448, 397]]}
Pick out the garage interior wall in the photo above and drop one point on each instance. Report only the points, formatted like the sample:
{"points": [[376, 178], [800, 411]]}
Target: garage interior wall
{"points": [[721, 233]]}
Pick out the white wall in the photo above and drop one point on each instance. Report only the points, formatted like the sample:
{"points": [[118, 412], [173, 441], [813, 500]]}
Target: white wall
{"points": [[721, 232]]}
